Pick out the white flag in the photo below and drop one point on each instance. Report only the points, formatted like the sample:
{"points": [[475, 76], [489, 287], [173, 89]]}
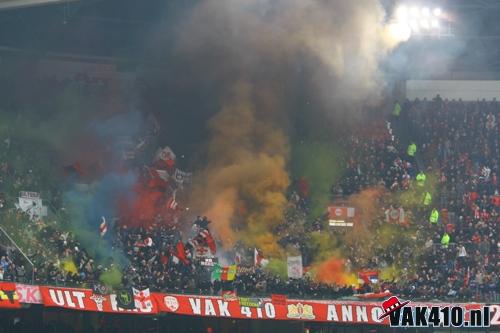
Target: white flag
{"points": [[142, 299]]}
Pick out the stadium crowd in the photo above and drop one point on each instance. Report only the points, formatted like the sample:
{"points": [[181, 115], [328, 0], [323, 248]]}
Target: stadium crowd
{"points": [[456, 220]]}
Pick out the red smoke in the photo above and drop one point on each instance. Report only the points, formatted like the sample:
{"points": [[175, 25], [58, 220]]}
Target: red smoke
{"points": [[146, 207]]}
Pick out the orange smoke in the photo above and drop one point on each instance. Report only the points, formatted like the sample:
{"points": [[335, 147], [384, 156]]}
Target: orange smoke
{"points": [[333, 271], [221, 212]]}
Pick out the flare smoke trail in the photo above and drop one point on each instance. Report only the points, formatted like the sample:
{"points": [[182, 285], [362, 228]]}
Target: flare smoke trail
{"points": [[257, 54]]}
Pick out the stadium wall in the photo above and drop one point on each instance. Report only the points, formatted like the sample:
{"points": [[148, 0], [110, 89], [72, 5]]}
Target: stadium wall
{"points": [[466, 90]]}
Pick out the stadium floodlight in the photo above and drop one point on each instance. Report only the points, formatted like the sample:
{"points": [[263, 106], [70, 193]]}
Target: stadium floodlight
{"points": [[418, 19]]}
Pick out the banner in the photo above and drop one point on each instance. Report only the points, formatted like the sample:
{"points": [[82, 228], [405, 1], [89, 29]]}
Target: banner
{"points": [[31, 204], [294, 265], [125, 299], [8, 296], [29, 195], [278, 299], [349, 312], [341, 216], [395, 215], [28, 294], [276, 308], [340, 213], [368, 276], [86, 300], [250, 302]]}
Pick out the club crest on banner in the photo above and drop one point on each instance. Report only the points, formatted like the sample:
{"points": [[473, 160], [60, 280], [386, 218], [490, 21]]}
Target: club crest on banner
{"points": [[99, 300], [171, 303], [300, 311], [125, 299]]}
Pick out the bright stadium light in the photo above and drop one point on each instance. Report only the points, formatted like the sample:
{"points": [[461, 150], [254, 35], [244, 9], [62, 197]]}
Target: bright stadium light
{"points": [[415, 12], [400, 31], [402, 13], [411, 18]]}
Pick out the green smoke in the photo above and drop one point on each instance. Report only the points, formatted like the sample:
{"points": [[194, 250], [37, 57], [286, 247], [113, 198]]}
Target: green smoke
{"points": [[278, 267], [112, 277], [319, 163]]}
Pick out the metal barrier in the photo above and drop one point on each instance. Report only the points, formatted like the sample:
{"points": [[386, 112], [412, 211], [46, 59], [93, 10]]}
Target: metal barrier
{"points": [[5, 238]]}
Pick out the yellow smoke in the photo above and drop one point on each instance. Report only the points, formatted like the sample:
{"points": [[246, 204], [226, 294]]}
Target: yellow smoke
{"points": [[68, 266], [245, 182]]}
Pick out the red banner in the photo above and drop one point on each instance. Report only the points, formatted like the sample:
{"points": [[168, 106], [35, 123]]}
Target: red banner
{"points": [[8, 296], [278, 299], [349, 312], [29, 294], [86, 300], [342, 312], [319, 311]]}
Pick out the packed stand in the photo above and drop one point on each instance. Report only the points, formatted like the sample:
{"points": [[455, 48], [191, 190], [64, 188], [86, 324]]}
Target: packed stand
{"points": [[460, 145], [457, 141]]}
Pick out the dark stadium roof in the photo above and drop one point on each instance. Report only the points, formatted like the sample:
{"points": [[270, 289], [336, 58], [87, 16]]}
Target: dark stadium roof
{"points": [[123, 28]]}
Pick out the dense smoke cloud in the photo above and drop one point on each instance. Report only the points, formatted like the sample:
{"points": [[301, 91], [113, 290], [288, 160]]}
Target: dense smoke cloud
{"points": [[256, 54]]}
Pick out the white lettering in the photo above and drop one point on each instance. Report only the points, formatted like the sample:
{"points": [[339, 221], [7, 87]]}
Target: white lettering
{"points": [[347, 313], [270, 311], [376, 312], [114, 304], [80, 295], [195, 305], [245, 310], [361, 314], [332, 313], [224, 312], [209, 308], [57, 297], [68, 299]]}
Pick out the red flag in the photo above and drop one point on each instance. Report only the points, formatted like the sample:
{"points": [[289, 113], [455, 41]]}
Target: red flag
{"points": [[181, 253], [207, 236]]}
